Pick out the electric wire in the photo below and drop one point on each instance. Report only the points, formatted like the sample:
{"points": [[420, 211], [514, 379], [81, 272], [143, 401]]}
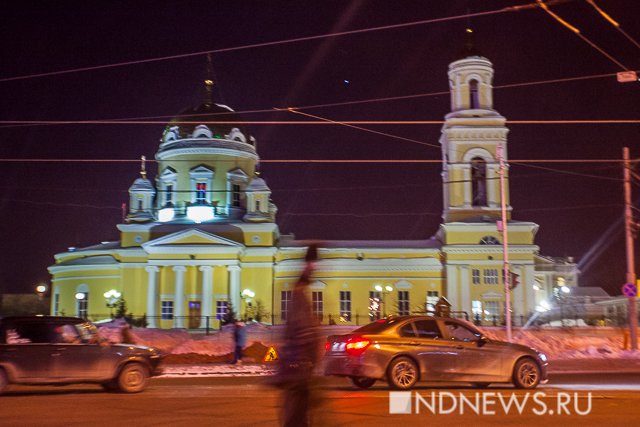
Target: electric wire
{"points": [[613, 22], [576, 31], [271, 43]]}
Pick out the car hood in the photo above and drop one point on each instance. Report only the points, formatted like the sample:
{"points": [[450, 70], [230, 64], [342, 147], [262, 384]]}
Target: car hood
{"points": [[514, 346], [136, 349]]}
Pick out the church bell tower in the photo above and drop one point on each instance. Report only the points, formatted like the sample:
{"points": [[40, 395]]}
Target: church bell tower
{"points": [[470, 138]]}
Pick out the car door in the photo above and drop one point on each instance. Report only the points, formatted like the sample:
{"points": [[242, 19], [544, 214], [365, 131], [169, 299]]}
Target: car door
{"points": [[27, 351], [77, 359], [438, 357], [478, 359]]}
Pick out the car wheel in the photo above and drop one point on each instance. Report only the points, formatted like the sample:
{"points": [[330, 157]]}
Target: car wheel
{"points": [[4, 381], [526, 374], [480, 385], [133, 378], [363, 382], [402, 373]]}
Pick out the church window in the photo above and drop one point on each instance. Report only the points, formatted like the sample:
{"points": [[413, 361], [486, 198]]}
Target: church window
{"points": [[345, 306], [83, 304], [479, 181], [489, 240], [168, 196], [474, 99], [374, 305], [201, 192], [403, 303], [475, 276], [222, 308], [235, 195], [491, 276], [491, 310], [166, 310], [317, 305], [257, 205], [476, 310], [432, 300], [56, 304], [139, 204], [285, 302]]}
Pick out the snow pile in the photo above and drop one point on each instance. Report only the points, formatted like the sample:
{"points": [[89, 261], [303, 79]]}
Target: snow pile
{"points": [[166, 340], [556, 343], [560, 344]]}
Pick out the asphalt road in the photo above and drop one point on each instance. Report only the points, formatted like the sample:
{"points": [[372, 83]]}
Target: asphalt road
{"points": [[249, 401]]}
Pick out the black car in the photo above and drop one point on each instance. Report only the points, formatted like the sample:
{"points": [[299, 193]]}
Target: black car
{"points": [[67, 350]]}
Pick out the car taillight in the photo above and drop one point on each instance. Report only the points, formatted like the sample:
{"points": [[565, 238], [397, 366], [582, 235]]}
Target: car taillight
{"points": [[357, 345], [327, 346]]}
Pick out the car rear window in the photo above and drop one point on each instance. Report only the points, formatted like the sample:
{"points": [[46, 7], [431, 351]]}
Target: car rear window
{"points": [[376, 327]]}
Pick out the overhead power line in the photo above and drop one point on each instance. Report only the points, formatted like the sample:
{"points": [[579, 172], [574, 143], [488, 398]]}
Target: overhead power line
{"points": [[319, 121], [609, 19], [277, 42], [576, 31], [327, 105]]}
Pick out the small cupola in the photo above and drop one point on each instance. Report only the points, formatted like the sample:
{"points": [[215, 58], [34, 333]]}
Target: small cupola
{"points": [[141, 195], [259, 206]]}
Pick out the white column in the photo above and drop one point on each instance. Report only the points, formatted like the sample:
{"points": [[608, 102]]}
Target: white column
{"points": [[493, 193], [518, 295], [178, 299], [234, 287], [152, 295], [527, 279], [465, 297], [466, 186], [452, 286], [207, 295]]}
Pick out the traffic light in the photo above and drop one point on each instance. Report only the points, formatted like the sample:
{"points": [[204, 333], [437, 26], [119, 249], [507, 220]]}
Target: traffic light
{"points": [[515, 280]]}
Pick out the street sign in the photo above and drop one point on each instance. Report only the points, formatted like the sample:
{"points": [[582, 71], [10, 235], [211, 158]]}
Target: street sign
{"points": [[627, 76], [629, 290], [271, 355]]}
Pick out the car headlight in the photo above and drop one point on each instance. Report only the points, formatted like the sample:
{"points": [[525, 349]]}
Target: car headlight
{"points": [[543, 357]]}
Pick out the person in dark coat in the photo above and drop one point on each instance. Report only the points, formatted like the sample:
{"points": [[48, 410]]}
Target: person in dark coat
{"points": [[240, 339], [300, 352]]}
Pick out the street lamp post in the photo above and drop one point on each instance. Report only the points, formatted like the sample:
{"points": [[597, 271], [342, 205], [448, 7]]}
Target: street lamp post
{"points": [[112, 296], [384, 291], [41, 290]]}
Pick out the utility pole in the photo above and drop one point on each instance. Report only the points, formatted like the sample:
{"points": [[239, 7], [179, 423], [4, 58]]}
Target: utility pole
{"points": [[505, 245], [629, 226]]}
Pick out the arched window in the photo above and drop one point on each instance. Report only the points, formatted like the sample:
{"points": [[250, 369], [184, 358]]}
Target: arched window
{"points": [[82, 301], [474, 96], [479, 181]]}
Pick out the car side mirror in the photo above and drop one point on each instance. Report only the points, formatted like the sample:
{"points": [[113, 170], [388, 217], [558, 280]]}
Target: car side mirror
{"points": [[482, 341]]}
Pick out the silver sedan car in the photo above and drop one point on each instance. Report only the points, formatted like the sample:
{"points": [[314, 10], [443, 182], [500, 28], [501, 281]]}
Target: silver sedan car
{"points": [[408, 349]]}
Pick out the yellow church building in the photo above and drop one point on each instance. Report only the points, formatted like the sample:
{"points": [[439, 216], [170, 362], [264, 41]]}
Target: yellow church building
{"points": [[202, 238]]}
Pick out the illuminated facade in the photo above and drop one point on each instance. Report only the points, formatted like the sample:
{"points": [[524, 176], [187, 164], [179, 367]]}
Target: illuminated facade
{"points": [[204, 236]]}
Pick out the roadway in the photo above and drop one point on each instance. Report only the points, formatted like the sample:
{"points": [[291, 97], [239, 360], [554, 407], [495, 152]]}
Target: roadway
{"points": [[249, 401]]}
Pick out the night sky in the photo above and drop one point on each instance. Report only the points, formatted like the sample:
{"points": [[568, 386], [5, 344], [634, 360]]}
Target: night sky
{"points": [[47, 207]]}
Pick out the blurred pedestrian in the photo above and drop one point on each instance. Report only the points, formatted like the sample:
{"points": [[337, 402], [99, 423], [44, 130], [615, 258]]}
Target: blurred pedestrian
{"points": [[300, 351], [240, 340]]}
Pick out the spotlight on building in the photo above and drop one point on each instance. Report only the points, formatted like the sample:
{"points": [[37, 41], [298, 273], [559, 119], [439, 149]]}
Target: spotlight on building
{"points": [[565, 289], [200, 214], [166, 214]]}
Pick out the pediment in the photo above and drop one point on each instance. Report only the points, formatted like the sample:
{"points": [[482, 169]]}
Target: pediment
{"points": [[191, 237]]}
